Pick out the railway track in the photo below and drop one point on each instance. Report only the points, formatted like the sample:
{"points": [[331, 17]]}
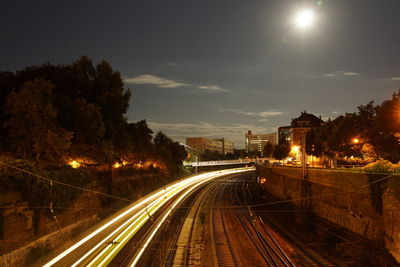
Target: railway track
{"points": [[186, 241], [268, 247], [124, 257], [222, 244], [306, 255], [237, 235]]}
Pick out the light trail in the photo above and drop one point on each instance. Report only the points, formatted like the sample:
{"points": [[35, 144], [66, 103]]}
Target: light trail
{"points": [[126, 234], [151, 204], [108, 254], [176, 203], [139, 213]]}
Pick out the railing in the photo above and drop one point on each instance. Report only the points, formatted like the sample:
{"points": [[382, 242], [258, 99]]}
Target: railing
{"points": [[219, 162]]}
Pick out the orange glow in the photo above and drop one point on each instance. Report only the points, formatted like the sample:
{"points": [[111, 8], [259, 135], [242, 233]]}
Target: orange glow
{"points": [[356, 141], [78, 162], [117, 165], [295, 150], [74, 164]]}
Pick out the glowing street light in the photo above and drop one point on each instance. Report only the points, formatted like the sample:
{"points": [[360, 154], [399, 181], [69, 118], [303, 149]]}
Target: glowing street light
{"points": [[295, 150], [117, 165], [74, 164], [304, 18], [356, 141]]}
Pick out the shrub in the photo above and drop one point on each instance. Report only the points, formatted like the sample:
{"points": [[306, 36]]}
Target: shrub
{"points": [[381, 165]]}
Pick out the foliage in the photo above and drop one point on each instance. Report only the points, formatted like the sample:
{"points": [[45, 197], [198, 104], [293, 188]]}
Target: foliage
{"points": [[282, 149], [169, 152], [39, 192], [380, 166], [375, 126], [33, 130], [87, 126], [268, 149], [55, 112]]}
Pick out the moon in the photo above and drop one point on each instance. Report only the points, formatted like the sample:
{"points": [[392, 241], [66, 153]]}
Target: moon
{"points": [[304, 18]]}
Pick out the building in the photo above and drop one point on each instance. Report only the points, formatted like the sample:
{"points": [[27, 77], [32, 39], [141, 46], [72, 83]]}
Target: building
{"points": [[285, 133], [227, 146], [256, 142], [202, 144], [301, 125]]}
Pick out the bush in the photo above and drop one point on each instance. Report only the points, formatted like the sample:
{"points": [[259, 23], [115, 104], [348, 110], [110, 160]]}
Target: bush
{"points": [[381, 166]]}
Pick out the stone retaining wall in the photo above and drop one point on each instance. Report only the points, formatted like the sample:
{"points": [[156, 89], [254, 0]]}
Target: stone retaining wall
{"points": [[353, 200]]}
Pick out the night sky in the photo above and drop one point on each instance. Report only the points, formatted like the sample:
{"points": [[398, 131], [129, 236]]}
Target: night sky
{"points": [[218, 68]]}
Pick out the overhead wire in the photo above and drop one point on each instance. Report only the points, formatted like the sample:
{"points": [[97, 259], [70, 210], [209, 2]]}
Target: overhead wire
{"points": [[64, 184]]}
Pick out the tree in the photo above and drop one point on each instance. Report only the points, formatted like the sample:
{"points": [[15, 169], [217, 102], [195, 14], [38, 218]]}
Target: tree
{"points": [[282, 149], [88, 129], [170, 152], [7, 83], [387, 136], [268, 149], [140, 140], [33, 129], [99, 85], [113, 100], [209, 155]]}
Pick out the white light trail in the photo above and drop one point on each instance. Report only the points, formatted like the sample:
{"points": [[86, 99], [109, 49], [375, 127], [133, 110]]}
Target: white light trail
{"points": [[151, 204], [177, 202]]}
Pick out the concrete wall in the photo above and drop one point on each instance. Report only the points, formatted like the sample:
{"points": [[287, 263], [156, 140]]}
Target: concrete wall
{"points": [[354, 200]]}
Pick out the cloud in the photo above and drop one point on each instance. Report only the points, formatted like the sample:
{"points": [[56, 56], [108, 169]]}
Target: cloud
{"points": [[262, 114], [205, 127], [335, 112], [154, 80], [172, 64], [338, 73], [395, 78], [351, 73], [270, 113], [233, 132], [211, 87], [168, 83]]}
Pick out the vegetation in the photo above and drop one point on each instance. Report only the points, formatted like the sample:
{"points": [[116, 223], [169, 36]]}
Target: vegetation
{"points": [[51, 113], [39, 192], [370, 133], [381, 166], [268, 150], [208, 155], [282, 149]]}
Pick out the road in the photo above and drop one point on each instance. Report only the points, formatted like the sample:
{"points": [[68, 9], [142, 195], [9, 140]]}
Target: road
{"points": [[101, 246]]}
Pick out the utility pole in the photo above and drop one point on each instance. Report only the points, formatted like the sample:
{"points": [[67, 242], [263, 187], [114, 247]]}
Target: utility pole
{"points": [[305, 185], [110, 169], [197, 161]]}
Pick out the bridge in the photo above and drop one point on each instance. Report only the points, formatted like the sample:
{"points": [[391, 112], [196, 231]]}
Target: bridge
{"points": [[220, 163]]}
